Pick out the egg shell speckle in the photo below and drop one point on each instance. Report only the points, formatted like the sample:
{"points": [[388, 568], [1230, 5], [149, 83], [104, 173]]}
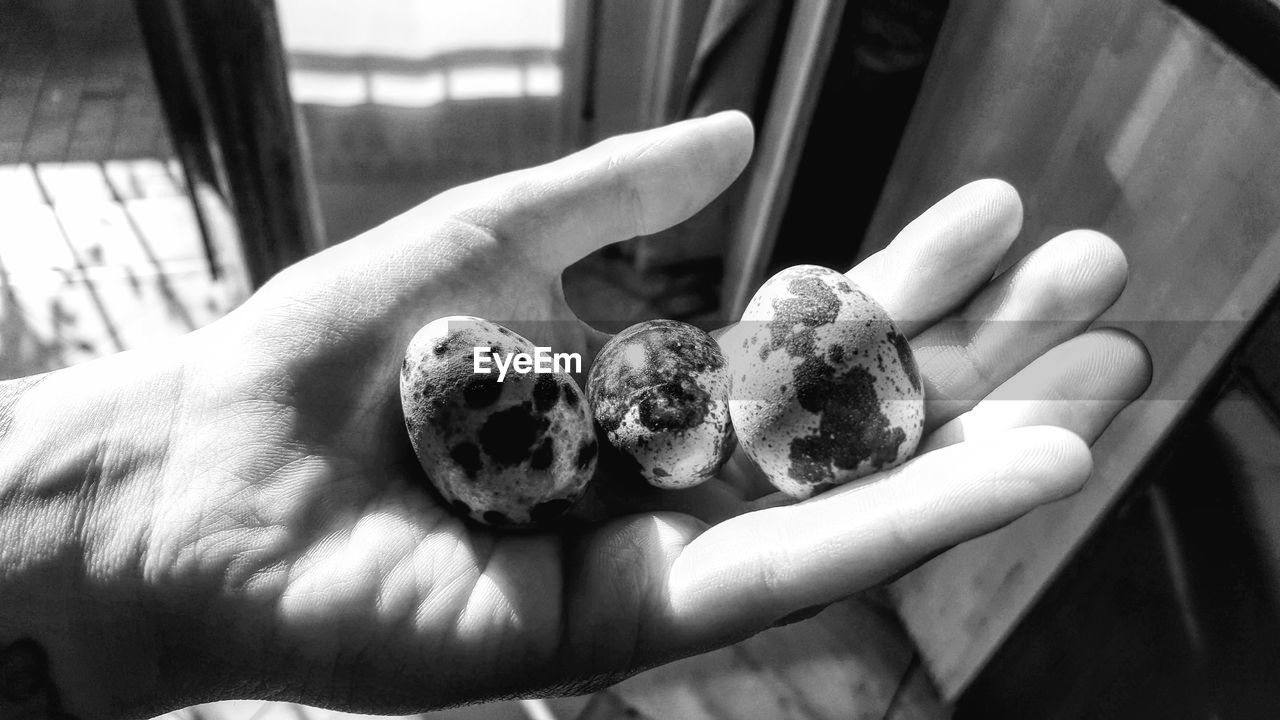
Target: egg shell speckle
{"points": [[660, 390], [511, 453], [825, 387]]}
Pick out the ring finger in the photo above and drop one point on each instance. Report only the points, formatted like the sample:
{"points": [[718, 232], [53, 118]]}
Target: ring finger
{"points": [[1049, 297], [1079, 385]]}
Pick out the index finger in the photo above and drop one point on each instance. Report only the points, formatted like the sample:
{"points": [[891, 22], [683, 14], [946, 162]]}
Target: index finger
{"points": [[943, 257]]}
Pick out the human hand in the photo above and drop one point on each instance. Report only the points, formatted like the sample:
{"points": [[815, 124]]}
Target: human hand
{"points": [[266, 532]]}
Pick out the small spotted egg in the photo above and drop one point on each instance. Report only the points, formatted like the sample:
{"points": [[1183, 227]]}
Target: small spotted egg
{"points": [[660, 390], [510, 453], [825, 387]]}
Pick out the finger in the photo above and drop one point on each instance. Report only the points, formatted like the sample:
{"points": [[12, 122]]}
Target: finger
{"points": [[1051, 295], [1079, 385], [746, 573], [625, 186], [944, 256]]}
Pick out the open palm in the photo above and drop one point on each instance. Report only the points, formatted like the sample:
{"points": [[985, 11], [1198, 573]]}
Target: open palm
{"points": [[309, 561]]}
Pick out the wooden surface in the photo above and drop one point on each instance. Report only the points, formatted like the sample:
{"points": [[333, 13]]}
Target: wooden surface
{"points": [[101, 257], [1171, 609], [100, 249], [851, 662], [1125, 117], [74, 84]]}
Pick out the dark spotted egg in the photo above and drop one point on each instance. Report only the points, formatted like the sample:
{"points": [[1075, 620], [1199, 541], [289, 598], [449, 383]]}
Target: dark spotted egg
{"points": [[660, 390], [510, 453], [825, 386]]}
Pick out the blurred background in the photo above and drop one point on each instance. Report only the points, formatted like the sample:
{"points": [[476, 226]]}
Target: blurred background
{"points": [[159, 159]]}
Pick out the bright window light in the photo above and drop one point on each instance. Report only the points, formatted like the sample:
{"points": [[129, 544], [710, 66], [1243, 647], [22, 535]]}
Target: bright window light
{"points": [[74, 182], [407, 90], [32, 241], [485, 82], [146, 177], [340, 89], [18, 185], [419, 28], [543, 80]]}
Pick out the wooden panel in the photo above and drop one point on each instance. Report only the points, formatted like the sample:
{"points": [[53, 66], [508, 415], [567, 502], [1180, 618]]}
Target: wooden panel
{"points": [[1128, 118], [96, 258], [1171, 609], [74, 84], [851, 661], [19, 95], [917, 698], [53, 120]]}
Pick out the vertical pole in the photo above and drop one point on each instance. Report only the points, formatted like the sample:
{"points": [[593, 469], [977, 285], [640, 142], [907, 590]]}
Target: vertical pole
{"points": [[220, 70]]}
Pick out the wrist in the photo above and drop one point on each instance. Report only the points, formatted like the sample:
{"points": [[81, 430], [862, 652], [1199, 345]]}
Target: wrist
{"points": [[76, 449]]}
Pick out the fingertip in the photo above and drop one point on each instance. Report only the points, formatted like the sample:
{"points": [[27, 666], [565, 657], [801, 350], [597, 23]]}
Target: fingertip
{"points": [[992, 186], [1001, 206], [735, 122], [1074, 277], [1055, 459], [985, 215], [733, 131], [1100, 261], [1127, 352], [945, 255]]}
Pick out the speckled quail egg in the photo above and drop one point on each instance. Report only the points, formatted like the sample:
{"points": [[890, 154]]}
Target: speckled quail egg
{"points": [[825, 387], [660, 390], [514, 452]]}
